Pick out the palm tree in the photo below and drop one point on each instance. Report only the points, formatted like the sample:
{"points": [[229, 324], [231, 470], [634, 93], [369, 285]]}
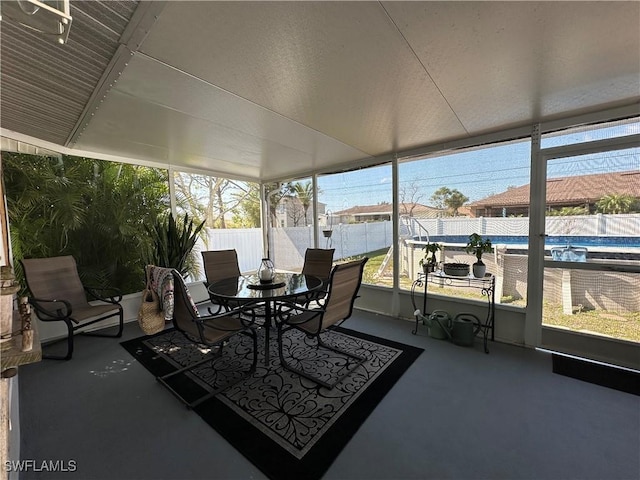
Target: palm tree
{"points": [[276, 193], [91, 209], [616, 203], [304, 193]]}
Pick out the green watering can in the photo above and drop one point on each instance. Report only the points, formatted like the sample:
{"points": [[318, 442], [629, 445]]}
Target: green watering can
{"points": [[439, 323], [461, 330]]}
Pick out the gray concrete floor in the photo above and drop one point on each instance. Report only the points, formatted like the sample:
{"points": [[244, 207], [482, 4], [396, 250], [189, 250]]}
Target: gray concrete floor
{"points": [[457, 413]]}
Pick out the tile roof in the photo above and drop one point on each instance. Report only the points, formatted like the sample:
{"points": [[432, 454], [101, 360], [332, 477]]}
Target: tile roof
{"points": [[386, 208], [579, 188]]}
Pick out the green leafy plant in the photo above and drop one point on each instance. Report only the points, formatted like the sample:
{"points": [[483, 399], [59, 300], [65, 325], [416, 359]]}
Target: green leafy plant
{"points": [[92, 209], [477, 245], [173, 242], [430, 248]]}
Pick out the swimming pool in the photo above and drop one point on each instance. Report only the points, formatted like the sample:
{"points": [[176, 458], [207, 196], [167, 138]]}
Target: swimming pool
{"points": [[591, 243]]}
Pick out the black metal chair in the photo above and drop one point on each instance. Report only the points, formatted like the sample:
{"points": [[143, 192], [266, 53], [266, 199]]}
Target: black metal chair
{"points": [[344, 283], [57, 295], [212, 331]]}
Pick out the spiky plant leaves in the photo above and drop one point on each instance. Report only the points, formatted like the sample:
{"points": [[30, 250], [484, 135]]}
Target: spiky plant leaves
{"points": [[174, 243]]}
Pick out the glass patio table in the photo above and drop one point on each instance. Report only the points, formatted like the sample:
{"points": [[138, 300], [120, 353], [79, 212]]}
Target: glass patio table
{"points": [[248, 288]]}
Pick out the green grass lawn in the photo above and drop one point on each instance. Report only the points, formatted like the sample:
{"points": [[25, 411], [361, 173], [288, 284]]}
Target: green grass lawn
{"points": [[622, 325]]}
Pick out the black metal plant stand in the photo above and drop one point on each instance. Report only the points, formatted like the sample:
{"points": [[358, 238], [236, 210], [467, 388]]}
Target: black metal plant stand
{"points": [[486, 285]]}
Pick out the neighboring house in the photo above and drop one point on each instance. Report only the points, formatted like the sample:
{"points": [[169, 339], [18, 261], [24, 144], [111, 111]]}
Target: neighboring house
{"points": [[383, 212], [291, 213], [576, 191]]}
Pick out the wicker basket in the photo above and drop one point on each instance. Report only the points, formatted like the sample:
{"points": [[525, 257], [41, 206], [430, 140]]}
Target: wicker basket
{"points": [[150, 315]]}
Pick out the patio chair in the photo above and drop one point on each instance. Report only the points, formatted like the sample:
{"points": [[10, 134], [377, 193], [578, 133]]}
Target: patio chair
{"points": [[218, 265], [317, 262], [344, 283], [211, 331], [57, 295]]}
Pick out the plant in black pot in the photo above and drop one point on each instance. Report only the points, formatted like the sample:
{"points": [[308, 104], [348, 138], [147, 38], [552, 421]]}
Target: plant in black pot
{"points": [[478, 245], [173, 242], [428, 263]]}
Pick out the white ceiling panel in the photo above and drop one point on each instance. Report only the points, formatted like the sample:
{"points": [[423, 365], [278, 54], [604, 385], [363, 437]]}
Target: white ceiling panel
{"points": [[155, 104], [341, 68], [508, 63]]}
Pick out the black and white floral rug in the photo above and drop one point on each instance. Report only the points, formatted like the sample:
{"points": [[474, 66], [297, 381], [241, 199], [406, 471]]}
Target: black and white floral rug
{"points": [[288, 426]]}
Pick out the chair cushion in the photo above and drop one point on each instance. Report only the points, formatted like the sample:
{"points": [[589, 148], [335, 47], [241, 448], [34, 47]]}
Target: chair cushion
{"points": [[55, 278], [81, 314], [229, 326], [220, 264]]}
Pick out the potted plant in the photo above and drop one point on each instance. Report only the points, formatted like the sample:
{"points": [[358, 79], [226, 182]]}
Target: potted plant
{"points": [[173, 242], [478, 245], [456, 269], [427, 263]]}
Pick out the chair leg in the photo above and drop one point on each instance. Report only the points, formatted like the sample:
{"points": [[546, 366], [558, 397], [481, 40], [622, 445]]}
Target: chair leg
{"points": [[191, 366], [120, 323], [249, 372], [359, 360], [69, 345], [117, 335], [163, 379], [254, 338]]}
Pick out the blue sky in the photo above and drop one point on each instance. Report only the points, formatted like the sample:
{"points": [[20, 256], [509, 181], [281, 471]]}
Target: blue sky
{"points": [[476, 173]]}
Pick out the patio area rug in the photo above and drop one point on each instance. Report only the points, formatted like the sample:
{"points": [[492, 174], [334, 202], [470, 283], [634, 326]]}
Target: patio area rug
{"points": [[286, 425]]}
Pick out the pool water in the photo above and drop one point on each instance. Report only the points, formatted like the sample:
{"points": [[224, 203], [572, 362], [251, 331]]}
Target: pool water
{"points": [[550, 241]]}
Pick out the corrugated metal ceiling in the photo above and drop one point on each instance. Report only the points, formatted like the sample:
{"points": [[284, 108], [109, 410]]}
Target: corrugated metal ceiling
{"points": [[46, 86]]}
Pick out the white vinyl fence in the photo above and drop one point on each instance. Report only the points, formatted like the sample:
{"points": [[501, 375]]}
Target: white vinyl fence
{"points": [[578, 225], [290, 243], [246, 241]]}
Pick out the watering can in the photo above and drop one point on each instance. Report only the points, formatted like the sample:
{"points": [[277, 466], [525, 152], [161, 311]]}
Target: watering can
{"points": [[463, 329], [460, 330], [439, 323]]}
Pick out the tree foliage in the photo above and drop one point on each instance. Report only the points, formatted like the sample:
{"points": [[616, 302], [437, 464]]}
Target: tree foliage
{"points": [[91, 209], [452, 200], [410, 195], [214, 199], [304, 193], [617, 203], [275, 194], [568, 211], [247, 215]]}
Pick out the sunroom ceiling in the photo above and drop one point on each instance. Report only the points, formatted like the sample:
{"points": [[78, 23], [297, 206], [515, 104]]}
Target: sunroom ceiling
{"points": [[265, 90]]}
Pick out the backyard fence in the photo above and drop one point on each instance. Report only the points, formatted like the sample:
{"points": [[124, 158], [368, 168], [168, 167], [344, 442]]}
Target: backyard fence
{"points": [[288, 246], [577, 225]]}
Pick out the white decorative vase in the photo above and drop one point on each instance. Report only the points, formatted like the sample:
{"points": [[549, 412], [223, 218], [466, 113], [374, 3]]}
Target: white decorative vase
{"points": [[479, 269], [266, 271]]}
